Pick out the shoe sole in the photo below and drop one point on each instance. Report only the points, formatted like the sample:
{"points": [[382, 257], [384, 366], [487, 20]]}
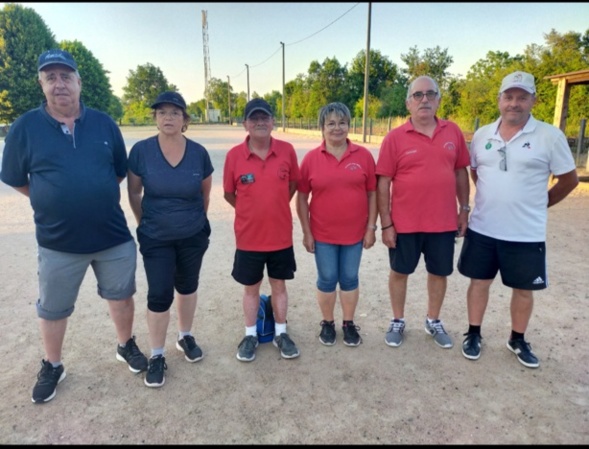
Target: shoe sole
{"points": [[471, 357], [327, 343], [285, 356], [243, 359], [352, 344], [392, 344], [188, 359], [448, 346], [120, 358], [48, 398], [528, 365], [154, 385]]}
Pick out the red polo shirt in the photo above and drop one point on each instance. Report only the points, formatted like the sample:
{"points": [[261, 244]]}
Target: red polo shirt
{"points": [[338, 207], [263, 217], [423, 172]]}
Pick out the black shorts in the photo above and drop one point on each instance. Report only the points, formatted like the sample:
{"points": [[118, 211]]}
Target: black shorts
{"points": [[522, 264], [248, 266], [172, 264], [437, 249]]}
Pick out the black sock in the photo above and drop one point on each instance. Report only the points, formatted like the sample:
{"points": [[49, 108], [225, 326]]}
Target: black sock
{"points": [[474, 329], [516, 335], [347, 323]]}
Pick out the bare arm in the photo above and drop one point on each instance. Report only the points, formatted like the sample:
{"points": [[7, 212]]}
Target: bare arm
{"points": [[292, 188], [230, 198], [473, 175], [206, 191], [383, 202], [369, 236], [303, 214], [462, 194], [24, 190], [135, 192], [564, 185]]}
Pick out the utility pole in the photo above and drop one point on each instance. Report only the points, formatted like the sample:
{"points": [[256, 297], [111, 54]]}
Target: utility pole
{"points": [[366, 75], [207, 63], [248, 82], [229, 99], [283, 96]]}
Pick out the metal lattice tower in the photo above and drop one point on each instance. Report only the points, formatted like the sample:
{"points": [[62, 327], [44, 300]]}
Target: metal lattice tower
{"points": [[207, 62]]}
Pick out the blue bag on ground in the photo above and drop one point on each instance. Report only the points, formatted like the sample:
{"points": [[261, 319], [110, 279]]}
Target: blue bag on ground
{"points": [[265, 321]]}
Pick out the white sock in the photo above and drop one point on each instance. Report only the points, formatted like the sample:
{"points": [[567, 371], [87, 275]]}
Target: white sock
{"points": [[251, 330], [181, 334], [157, 351], [279, 328]]}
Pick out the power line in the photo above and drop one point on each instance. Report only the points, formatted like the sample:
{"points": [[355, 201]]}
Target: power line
{"points": [[297, 42], [324, 28]]}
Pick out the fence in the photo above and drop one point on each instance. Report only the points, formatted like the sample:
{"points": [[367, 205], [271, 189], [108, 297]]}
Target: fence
{"points": [[376, 129]]}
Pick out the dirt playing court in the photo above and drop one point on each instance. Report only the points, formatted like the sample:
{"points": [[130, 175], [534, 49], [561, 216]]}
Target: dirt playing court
{"points": [[372, 394]]}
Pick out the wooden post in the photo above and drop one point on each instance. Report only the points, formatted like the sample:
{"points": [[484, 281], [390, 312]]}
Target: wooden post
{"points": [[562, 104]]}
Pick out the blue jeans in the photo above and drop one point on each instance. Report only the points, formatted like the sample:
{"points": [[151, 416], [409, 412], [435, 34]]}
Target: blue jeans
{"points": [[337, 263]]}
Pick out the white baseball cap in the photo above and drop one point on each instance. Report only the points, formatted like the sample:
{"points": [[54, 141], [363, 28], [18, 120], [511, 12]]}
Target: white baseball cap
{"points": [[518, 80]]}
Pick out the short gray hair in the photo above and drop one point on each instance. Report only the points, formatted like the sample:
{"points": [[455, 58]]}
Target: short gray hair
{"points": [[337, 108], [410, 88]]}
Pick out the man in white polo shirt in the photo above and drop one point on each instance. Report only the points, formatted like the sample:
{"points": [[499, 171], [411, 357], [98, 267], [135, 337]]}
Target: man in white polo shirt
{"points": [[511, 162]]}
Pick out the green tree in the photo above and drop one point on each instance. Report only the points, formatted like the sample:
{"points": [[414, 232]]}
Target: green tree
{"points": [[383, 74], [562, 53], [434, 62], [274, 99], [115, 108], [327, 82], [96, 89], [478, 95], [392, 101], [295, 93], [218, 95], [196, 110], [142, 88], [23, 37], [145, 84]]}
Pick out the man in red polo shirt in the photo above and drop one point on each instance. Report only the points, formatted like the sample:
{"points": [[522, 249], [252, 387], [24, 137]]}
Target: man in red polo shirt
{"points": [[259, 180], [425, 160]]}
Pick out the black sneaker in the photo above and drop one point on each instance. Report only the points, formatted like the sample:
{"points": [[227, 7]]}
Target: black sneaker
{"points": [[327, 335], [351, 335], [47, 380], [246, 350], [471, 346], [132, 356], [523, 350], [155, 376], [192, 352], [288, 350]]}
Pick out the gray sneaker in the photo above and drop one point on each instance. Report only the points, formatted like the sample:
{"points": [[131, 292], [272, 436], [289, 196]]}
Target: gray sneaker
{"points": [[288, 350], [246, 351], [394, 335], [436, 330]]}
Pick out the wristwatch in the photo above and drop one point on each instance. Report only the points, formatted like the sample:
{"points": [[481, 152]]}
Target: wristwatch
{"points": [[465, 208], [373, 227]]}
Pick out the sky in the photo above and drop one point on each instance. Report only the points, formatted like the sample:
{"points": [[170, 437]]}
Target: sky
{"points": [[170, 36]]}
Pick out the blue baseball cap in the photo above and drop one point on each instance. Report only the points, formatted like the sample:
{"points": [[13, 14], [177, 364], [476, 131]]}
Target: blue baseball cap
{"points": [[56, 56]]}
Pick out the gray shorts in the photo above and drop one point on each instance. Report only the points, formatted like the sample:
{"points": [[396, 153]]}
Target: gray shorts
{"points": [[61, 274]]}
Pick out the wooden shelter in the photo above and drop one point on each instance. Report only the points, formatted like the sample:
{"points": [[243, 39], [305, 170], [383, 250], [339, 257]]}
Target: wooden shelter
{"points": [[564, 81]]}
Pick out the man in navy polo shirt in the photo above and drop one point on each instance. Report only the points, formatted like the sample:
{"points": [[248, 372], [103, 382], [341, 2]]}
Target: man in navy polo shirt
{"points": [[69, 160]]}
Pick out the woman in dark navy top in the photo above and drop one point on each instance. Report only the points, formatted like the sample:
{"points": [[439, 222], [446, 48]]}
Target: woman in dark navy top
{"points": [[169, 185]]}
